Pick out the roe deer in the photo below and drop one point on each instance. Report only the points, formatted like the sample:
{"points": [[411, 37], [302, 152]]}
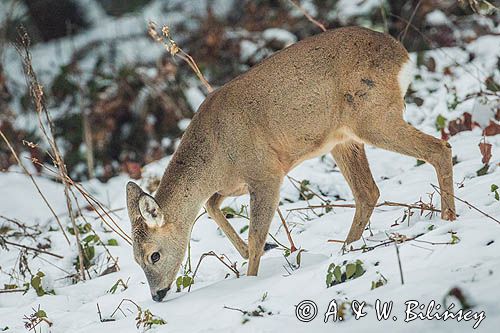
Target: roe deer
{"points": [[332, 92]]}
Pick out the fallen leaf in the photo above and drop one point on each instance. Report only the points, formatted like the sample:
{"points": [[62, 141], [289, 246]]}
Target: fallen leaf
{"points": [[492, 129], [485, 149], [461, 124]]}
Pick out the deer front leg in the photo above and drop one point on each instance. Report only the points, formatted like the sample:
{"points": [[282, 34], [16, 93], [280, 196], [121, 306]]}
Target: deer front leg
{"points": [[213, 209], [264, 199]]}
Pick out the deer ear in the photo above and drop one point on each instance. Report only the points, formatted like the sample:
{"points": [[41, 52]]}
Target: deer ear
{"points": [[150, 211]]}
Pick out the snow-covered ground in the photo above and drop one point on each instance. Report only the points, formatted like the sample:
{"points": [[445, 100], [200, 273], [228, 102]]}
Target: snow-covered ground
{"points": [[463, 254]]}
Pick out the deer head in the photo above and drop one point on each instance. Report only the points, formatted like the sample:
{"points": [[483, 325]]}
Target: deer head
{"points": [[159, 245]]}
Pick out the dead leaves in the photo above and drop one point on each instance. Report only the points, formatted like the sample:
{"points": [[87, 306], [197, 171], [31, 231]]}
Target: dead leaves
{"points": [[485, 149], [492, 129]]}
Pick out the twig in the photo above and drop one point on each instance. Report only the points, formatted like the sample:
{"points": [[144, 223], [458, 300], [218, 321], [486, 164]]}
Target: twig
{"points": [[438, 189], [125, 300], [385, 203], [235, 309], [307, 15], [277, 241], [32, 249], [292, 245], [22, 226], [212, 254], [8, 291], [399, 263], [405, 31], [103, 320]]}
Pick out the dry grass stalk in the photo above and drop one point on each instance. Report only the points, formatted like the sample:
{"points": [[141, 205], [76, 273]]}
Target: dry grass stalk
{"points": [[288, 235], [37, 95], [307, 15], [166, 40], [402, 35]]}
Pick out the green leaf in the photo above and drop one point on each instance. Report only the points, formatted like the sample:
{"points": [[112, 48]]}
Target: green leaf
{"points": [[88, 239], [440, 122], [41, 314], [483, 170], [112, 242], [187, 281], [298, 258], [245, 228], [359, 269], [329, 275], [494, 189], [89, 252], [350, 270], [36, 283], [178, 283], [229, 212], [113, 288], [338, 274], [420, 162]]}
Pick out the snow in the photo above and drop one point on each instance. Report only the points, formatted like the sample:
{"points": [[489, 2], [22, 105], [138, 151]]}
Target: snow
{"points": [[431, 266], [247, 49], [281, 35], [346, 9], [194, 97], [437, 17]]}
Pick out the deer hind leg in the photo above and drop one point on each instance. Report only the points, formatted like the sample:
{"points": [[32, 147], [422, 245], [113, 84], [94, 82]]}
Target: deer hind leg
{"points": [[395, 134], [264, 199], [213, 209], [351, 159]]}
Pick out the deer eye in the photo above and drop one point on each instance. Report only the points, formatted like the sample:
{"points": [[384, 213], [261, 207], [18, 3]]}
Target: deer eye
{"points": [[155, 257]]}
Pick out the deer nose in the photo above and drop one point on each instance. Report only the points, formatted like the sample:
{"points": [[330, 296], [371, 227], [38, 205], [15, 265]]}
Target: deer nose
{"points": [[160, 294]]}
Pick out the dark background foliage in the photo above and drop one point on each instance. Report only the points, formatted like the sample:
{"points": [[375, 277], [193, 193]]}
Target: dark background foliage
{"points": [[132, 112]]}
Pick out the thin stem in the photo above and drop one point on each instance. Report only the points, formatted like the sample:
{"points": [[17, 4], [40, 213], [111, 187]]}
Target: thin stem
{"points": [[32, 249]]}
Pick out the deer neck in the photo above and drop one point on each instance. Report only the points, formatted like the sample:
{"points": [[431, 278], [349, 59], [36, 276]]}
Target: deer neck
{"points": [[189, 180]]}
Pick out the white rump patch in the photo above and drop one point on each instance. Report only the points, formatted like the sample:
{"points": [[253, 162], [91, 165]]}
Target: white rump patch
{"points": [[405, 76]]}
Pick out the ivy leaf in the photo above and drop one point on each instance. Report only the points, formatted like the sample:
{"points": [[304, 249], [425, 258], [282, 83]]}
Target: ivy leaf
{"points": [[350, 270], [359, 269], [338, 274], [187, 281]]}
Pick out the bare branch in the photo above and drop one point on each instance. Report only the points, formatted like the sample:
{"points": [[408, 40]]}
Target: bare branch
{"points": [[307, 15]]}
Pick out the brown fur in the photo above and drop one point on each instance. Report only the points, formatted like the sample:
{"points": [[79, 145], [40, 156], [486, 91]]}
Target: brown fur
{"points": [[329, 93]]}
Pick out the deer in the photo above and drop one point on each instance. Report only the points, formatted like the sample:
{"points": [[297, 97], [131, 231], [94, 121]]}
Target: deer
{"points": [[330, 93]]}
